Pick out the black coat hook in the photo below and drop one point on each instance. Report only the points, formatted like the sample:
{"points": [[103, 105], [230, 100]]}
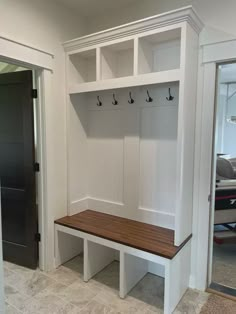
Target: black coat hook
{"points": [[115, 102], [149, 99], [99, 103], [170, 97], [131, 101]]}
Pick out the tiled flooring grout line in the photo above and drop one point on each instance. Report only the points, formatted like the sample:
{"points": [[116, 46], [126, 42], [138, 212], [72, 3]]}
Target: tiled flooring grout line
{"points": [[18, 310]]}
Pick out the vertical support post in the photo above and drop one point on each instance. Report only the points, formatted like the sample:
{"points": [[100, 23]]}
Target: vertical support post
{"points": [[177, 274], [98, 64], [132, 270], [136, 53], [57, 261]]}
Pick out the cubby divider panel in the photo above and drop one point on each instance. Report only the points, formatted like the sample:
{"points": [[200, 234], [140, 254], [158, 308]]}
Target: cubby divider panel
{"points": [[96, 258]]}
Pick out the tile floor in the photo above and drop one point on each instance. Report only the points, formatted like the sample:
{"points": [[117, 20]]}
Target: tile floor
{"points": [[224, 261], [64, 292]]}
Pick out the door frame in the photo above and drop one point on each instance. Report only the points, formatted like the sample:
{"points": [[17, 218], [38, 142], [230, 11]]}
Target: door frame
{"points": [[203, 216], [41, 63]]}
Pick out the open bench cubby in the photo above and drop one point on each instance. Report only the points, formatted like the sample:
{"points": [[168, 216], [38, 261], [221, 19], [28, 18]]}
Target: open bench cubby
{"points": [[104, 238]]}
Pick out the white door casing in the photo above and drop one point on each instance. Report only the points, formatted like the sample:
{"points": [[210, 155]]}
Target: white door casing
{"points": [[42, 63], [210, 56]]}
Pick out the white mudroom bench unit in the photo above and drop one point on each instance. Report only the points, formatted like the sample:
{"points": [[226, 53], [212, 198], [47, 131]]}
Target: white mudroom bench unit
{"points": [[130, 134]]}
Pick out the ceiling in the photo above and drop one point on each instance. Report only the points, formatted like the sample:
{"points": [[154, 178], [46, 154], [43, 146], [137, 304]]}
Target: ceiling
{"points": [[93, 7]]}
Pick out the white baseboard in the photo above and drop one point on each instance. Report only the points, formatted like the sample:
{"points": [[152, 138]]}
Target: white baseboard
{"points": [[107, 207], [154, 217], [78, 206], [103, 206], [192, 283]]}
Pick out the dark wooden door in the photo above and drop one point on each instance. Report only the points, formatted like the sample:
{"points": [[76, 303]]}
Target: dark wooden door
{"points": [[17, 175]]}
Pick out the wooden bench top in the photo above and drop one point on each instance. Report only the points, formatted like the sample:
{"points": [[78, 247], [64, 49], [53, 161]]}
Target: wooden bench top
{"points": [[142, 236]]}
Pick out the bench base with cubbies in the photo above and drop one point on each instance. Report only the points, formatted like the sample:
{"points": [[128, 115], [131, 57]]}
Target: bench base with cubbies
{"points": [[141, 248]]}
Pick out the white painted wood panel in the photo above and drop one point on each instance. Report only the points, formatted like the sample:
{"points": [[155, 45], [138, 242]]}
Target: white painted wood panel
{"points": [[123, 160], [166, 56], [123, 157], [158, 140], [106, 155], [77, 153]]}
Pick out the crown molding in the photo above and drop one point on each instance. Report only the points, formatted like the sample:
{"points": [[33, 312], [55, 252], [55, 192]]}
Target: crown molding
{"points": [[185, 14]]}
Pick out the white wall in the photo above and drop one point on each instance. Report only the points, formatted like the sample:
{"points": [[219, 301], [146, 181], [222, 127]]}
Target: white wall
{"points": [[45, 25], [219, 19]]}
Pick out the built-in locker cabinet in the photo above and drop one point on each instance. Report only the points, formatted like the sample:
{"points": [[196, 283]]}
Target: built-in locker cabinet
{"points": [[131, 120]]}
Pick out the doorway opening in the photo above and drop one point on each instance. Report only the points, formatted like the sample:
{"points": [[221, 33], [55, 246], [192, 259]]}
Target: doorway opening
{"points": [[18, 164], [222, 261]]}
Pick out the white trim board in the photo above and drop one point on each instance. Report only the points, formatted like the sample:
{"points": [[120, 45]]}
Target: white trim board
{"points": [[24, 53], [222, 51], [165, 219], [210, 56], [27, 45]]}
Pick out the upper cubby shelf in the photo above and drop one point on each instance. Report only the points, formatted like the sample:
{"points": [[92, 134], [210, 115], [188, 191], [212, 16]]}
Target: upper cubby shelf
{"points": [[140, 53], [82, 67], [129, 81], [159, 52], [117, 60]]}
